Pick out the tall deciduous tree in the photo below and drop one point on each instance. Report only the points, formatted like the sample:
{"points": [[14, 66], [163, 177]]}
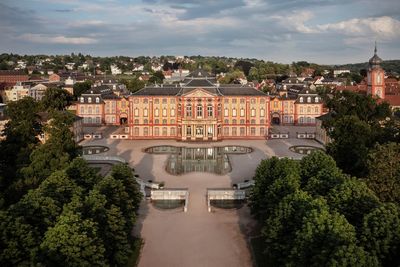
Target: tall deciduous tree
{"points": [[56, 99], [384, 172]]}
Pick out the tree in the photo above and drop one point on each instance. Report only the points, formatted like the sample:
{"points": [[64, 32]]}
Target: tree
{"points": [[56, 99], [384, 172], [380, 234], [81, 87], [83, 175], [72, 240], [327, 239], [353, 199], [266, 173], [314, 163], [352, 139], [157, 77]]}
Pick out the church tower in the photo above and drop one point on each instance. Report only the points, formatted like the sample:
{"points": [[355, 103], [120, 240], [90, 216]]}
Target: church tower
{"points": [[376, 77]]}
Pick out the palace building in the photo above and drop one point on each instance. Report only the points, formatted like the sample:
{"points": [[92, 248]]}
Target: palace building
{"points": [[197, 109]]}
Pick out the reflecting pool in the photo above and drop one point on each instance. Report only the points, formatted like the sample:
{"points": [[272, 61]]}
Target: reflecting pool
{"points": [[304, 150], [168, 204], [198, 159]]}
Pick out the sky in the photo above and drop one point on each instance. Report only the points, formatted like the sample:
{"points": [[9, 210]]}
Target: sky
{"points": [[320, 31]]}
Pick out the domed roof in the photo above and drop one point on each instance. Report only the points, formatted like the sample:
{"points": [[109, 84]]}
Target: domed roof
{"points": [[375, 61]]}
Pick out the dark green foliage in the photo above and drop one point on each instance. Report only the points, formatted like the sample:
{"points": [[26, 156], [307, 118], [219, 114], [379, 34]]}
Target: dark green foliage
{"points": [[356, 124], [314, 215], [384, 172], [84, 176], [81, 87], [381, 234], [56, 99]]}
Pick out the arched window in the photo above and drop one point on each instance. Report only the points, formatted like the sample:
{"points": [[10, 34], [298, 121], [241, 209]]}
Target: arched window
{"points": [[309, 99], [89, 100], [316, 99], [242, 112], [82, 99], [97, 99], [301, 99]]}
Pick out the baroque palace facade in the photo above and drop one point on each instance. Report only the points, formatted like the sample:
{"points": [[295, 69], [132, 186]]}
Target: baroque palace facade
{"points": [[199, 109]]}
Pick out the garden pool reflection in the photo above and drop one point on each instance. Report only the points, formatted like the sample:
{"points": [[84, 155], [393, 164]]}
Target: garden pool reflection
{"points": [[198, 159]]}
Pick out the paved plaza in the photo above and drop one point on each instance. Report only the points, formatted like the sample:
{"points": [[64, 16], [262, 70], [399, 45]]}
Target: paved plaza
{"points": [[197, 237]]}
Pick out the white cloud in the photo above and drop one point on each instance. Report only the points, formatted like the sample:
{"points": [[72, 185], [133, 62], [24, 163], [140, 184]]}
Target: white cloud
{"points": [[296, 21], [382, 27], [58, 39]]}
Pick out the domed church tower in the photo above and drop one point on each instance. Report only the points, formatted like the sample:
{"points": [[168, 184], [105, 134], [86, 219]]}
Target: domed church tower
{"points": [[376, 77]]}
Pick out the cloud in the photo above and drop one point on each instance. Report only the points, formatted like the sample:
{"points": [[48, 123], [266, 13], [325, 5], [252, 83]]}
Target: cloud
{"points": [[296, 21], [59, 39], [382, 27], [63, 10]]}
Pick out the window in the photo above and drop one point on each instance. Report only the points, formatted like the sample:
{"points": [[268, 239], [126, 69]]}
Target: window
{"points": [[145, 100], [164, 131], [253, 112], [242, 121], [242, 101], [164, 121], [82, 99], [136, 112], [188, 111], [172, 101], [242, 112], [146, 131], [164, 101], [89, 100], [97, 99], [156, 121], [262, 121], [209, 111], [226, 112], [136, 121], [242, 131], [97, 110], [275, 104], [172, 112], [226, 121], [233, 100], [316, 99], [226, 131], [145, 112], [234, 121], [262, 131], [172, 130], [309, 99], [301, 99], [234, 131], [156, 131], [252, 131], [262, 101], [156, 112], [262, 112], [301, 119], [226, 100], [188, 130], [316, 110], [82, 110], [146, 121], [136, 101], [253, 121], [234, 114], [136, 131], [199, 110], [164, 112], [156, 101], [253, 100], [301, 110]]}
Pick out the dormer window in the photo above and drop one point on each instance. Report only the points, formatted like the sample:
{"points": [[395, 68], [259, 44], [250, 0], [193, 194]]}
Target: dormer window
{"points": [[89, 100], [301, 99], [316, 99], [97, 99], [308, 99], [82, 99]]}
